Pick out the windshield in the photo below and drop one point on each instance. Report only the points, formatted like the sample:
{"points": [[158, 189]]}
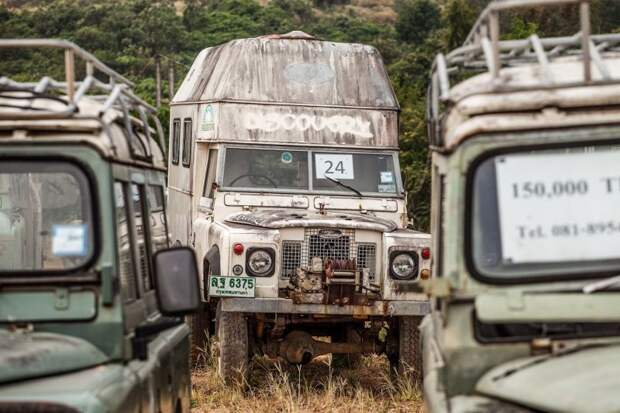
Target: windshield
{"points": [[547, 213], [45, 217], [288, 169]]}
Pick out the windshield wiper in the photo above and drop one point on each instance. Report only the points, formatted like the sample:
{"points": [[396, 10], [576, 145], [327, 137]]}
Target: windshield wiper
{"points": [[337, 182], [601, 285]]}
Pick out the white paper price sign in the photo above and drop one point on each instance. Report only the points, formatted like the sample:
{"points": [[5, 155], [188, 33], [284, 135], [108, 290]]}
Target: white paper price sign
{"points": [[558, 207], [335, 166]]}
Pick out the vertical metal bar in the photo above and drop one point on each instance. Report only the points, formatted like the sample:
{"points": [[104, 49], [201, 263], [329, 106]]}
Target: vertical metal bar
{"points": [[442, 73], [70, 73], [90, 70], [494, 29], [585, 40], [539, 50]]}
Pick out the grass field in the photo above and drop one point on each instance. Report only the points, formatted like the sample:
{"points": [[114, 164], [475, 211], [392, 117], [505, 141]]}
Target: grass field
{"points": [[316, 387]]}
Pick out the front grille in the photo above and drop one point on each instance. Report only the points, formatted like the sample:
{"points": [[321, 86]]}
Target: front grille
{"points": [[144, 269], [367, 258], [291, 257], [320, 245], [322, 242]]}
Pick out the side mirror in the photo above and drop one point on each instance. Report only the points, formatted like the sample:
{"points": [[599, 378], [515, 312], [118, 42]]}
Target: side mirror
{"points": [[176, 279]]}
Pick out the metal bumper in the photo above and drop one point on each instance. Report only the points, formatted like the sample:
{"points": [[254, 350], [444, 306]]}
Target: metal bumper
{"points": [[286, 306]]}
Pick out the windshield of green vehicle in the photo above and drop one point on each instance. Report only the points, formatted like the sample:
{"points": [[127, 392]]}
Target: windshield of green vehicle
{"points": [[288, 169], [547, 213], [45, 217]]}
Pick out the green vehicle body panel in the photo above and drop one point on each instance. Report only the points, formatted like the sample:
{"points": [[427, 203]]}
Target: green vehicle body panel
{"points": [[457, 365], [76, 349], [592, 375], [30, 355]]}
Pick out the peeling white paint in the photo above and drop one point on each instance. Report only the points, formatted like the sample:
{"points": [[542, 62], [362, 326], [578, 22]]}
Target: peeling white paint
{"points": [[341, 124]]}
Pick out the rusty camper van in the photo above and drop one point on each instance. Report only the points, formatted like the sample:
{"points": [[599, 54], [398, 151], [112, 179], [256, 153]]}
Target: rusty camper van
{"points": [[284, 177]]}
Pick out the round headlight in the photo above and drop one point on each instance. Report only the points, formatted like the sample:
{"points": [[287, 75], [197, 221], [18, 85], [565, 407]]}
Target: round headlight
{"points": [[260, 262], [403, 266]]}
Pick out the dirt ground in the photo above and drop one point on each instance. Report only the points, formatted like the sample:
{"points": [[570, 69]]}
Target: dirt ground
{"points": [[316, 387]]}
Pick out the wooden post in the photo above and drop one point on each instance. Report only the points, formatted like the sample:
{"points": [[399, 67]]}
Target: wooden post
{"points": [[170, 79], [158, 81]]}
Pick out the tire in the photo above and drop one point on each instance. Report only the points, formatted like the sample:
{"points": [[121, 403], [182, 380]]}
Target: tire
{"points": [[410, 350], [201, 331], [233, 347]]}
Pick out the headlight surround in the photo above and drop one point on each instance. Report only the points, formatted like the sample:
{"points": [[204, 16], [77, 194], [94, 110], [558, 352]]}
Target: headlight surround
{"points": [[404, 265], [260, 262]]}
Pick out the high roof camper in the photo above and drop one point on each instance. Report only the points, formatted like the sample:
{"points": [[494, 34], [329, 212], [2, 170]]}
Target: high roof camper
{"points": [[284, 176]]}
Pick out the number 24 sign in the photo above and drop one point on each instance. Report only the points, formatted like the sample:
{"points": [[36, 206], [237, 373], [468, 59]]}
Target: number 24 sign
{"points": [[334, 166]]}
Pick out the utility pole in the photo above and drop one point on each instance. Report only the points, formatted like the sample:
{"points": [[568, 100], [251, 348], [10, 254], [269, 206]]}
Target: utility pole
{"points": [[170, 79], [158, 81]]}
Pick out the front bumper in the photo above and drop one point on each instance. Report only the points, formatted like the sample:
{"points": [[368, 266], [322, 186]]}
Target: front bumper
{"points": [[286, 306]]}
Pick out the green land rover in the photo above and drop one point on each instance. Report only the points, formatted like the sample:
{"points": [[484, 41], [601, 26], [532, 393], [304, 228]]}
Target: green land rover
{"points": [[525, 222], [91, 295]]}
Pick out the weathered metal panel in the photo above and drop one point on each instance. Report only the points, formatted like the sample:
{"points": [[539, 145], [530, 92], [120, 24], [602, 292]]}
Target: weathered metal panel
{"points": [[292, 89], [290, 69], [286, 306], [232, 122]]}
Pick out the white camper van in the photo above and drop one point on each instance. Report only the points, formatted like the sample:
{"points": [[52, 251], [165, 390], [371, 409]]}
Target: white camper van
{"points": [[284, 176]]}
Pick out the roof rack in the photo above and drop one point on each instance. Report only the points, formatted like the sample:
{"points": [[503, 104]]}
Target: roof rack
{"points": [[117, 93], [483, 51]]}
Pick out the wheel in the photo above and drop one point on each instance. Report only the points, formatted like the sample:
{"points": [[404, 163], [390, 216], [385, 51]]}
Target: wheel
{"points": [[409, 361], [232, 346], [201, 330]]}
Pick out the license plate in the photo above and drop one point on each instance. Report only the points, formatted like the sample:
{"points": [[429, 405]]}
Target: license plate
{"points": [[223, 286]]}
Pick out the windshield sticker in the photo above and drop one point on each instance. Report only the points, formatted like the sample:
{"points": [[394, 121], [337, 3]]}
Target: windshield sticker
{"points": [[334, 166], [386, 188], [286, 157], [208, 119], [558, 207], [387, 177], [69, 240]]}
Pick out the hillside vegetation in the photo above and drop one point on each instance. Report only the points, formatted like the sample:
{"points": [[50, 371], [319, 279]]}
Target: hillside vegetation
{"points": [[133, 35]]}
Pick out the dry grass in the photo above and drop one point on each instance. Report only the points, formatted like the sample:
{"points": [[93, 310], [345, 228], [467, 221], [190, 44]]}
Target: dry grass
{"points": [[316, 387]]}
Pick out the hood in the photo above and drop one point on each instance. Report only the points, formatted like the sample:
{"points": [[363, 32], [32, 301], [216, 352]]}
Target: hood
{"points": [[29, 355], [585, 380], [275, 219]]}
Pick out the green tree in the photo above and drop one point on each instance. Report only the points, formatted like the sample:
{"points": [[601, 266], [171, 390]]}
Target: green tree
{"points": [[416, 19]]}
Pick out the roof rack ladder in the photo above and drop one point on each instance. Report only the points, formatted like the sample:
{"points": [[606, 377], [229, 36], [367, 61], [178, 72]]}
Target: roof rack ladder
{"points": [[488, 23]]}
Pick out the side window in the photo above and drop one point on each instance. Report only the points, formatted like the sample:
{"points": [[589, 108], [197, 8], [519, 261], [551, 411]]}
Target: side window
{"points": [[187, 142], [137, 194], [207, 191], [127, 271], [157, 213], [176, 135]]}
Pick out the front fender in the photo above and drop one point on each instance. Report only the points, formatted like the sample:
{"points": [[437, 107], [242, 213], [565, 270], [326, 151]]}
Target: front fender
{"points": [[434, 395]]}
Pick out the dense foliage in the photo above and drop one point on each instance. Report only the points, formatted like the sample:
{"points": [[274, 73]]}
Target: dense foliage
{"points": [[130, 35]]}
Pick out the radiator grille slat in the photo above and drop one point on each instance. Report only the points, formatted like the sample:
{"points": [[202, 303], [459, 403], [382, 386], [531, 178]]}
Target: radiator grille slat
{"points": [[367, 258], [291, 257]]}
